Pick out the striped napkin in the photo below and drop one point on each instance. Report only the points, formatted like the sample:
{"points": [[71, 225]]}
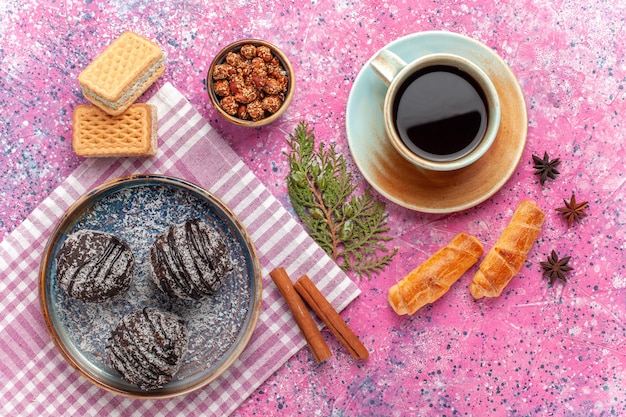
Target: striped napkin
{"points": [[35, 378]]}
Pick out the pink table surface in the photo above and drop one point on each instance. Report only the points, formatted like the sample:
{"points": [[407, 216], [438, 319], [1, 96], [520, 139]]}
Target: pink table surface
{"points": [[536, 350]]}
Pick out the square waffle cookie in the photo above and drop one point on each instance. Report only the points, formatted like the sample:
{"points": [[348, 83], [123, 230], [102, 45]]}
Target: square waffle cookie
{"points": [[122, 72], [98, 134]]}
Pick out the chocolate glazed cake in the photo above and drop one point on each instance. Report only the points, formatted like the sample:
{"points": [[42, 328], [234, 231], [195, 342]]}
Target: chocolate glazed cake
{"points": [[190, 261], [94, 266], [147, 347]]}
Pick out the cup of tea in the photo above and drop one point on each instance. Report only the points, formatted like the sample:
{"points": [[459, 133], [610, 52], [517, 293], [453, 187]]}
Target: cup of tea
{"points": [[441, 111]]}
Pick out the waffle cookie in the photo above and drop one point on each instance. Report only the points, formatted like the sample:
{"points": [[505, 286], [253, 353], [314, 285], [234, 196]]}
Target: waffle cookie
{"points": [[122, 72], [98, 134]]}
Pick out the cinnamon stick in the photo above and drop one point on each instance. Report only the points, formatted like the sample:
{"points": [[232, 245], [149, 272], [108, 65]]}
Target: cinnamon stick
{"points": [[312, 335], [325, 311]]}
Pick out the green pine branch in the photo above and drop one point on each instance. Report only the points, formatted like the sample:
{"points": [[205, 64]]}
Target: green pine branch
{"points": [[351, 228]]}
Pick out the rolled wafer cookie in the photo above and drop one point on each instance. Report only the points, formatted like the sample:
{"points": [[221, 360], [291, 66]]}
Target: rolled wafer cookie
{"points": [[505, 259], [98, 134], [122, 72], [433, 278]]}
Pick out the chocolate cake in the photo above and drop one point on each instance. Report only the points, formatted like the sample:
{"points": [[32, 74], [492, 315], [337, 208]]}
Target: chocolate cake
{"points": [[190, 260], [94, 266], [147, 347]]}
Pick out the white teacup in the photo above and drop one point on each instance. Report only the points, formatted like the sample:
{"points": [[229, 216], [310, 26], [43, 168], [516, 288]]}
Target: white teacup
{"points": [[441, 111]]}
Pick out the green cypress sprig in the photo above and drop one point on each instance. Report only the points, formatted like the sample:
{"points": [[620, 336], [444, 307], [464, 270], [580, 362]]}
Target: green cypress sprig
{"points": [[351, 228]]}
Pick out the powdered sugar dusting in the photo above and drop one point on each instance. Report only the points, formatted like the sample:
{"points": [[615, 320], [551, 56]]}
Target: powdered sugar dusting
{"points": [[138, 214]]}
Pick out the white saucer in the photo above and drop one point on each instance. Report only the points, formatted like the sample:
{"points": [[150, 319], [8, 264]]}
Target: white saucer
{"points": [[435, 192]]}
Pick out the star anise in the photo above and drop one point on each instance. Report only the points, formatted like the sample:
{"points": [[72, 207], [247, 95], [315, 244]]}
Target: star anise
{"points": [[556, 268], [573, 211], [545, 168]]}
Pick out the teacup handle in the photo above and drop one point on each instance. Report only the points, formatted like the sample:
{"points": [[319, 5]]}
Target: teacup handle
{"points": [[387, 65]]}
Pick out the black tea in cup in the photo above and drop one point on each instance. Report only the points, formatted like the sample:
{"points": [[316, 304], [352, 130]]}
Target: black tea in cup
{"points": [[440, 113]]}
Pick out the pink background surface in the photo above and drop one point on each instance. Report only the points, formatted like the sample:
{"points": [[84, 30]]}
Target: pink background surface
{"points": [[536, 349]]}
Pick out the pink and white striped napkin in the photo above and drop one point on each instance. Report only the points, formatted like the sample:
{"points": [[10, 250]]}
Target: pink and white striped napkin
{"points": [[35, 378]]}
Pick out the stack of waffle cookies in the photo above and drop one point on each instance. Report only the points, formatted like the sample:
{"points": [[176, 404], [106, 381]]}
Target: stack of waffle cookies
{"points": [[113, 125]]}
